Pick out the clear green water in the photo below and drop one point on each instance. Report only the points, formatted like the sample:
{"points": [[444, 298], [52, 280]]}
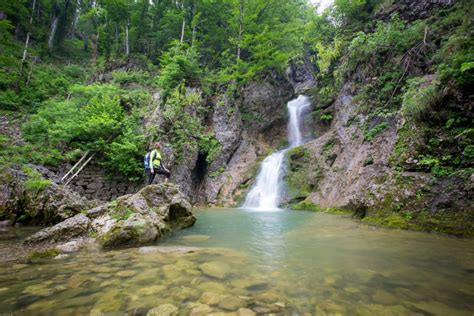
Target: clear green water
{"points": [[283, 262]]}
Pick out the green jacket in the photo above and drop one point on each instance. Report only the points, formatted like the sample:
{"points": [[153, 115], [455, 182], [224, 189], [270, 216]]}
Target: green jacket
{"points": [[155, 159]]}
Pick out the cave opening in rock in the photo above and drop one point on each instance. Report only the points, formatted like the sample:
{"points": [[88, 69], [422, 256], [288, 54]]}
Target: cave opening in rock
{"points": [[200, 170]]}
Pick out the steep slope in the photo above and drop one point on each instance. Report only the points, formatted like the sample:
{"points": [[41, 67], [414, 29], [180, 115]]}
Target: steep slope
{"points": [[397, 149]]}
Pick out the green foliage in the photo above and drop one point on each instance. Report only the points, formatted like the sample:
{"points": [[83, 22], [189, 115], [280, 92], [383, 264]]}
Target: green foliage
{"points": [[435, 166], [123, 77], [35, 182], [374, 131], [326, 117], [419, 98], [122, 214], [328, 54], [210, 146], [45, 81], [217, 172], [469, 152], [92, 119], [88, 125], [125, 154], [183, 127], [456, 56], [329, 145], [179, 65], [393, 38]]}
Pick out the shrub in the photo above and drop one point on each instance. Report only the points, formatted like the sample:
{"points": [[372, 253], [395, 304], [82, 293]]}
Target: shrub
{"points": [[179, 65], [393, 37], [374, 131], [125, 154], [93, 119], [421, 94], [326, 117], [34, 181], [209, 145], [127, 77]]}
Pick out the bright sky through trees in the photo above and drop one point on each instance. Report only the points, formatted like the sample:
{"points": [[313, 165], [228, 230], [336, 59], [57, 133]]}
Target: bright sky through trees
{"points": [[323, 4]]}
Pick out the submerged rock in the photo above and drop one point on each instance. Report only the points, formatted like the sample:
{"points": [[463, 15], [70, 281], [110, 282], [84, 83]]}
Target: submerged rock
{"points": [[232, 303], [215, 269], [210, 298], [133, 219], [163, 310]]}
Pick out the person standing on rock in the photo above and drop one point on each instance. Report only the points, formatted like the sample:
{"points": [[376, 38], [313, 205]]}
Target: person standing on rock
{"points": [[155, 165]]}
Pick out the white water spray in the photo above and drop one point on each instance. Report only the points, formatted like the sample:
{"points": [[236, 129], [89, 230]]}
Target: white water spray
{"points": [[266, 192]]}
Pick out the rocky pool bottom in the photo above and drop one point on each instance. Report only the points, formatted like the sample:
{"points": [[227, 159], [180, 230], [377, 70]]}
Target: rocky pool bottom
{"points": [[245, 263]]}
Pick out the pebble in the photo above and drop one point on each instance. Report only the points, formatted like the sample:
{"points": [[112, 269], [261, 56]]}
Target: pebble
{"points": [[126, 273], [201, 310], [215, 269], [212, 287], [151, 290], [163, 310], [232, 303], [77, 280], [210, 298], [385, 298], [246, 312]]}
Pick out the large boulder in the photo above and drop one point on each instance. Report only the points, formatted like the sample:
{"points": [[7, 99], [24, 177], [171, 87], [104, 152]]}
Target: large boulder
{"points": [[34, 200], [133, 219], [70, 228]]}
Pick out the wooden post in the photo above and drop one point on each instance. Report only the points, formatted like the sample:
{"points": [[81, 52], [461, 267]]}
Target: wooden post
{"points": [[77, 163], [80, 169]]}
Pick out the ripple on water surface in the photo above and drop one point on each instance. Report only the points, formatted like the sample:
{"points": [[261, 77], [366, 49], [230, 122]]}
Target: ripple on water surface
{"points": [[264, 262]]}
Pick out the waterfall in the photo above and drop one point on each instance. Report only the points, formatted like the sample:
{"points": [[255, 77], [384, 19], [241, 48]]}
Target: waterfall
{"points": [[266, 192]]}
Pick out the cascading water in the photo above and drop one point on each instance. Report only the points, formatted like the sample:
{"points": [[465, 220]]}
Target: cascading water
{"points": [[265, 194]]}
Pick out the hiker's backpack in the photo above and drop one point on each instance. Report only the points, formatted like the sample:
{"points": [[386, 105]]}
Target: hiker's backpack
{"points": [[146, 160]]}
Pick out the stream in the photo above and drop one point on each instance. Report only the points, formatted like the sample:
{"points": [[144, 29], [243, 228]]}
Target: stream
{"points": [[289, 262]]}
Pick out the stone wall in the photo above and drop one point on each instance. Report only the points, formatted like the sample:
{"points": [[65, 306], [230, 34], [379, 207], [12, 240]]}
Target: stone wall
{"points": [[95, 183]]}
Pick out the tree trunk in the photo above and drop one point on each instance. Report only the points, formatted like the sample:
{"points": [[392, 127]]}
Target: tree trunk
{"points": [[182, 29], [17, 31], [52, 33], [27, 41], [95, 50], [127, 44], [74, 23], [31, 71], [86, 42], [241, 27], [116, 40], [25, 50]]}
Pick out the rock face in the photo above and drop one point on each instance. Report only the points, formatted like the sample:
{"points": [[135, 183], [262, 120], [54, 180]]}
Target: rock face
{"points": [[263, 108], [247, 127], [51, 204], [134, 219], [300, 74], [96, 183], [343, 168]]}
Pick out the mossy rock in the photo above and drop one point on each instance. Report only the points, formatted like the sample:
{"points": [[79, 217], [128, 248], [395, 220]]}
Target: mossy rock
{"points": [[393, 221], [309, 206], [136, 230], [42, 254]]}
